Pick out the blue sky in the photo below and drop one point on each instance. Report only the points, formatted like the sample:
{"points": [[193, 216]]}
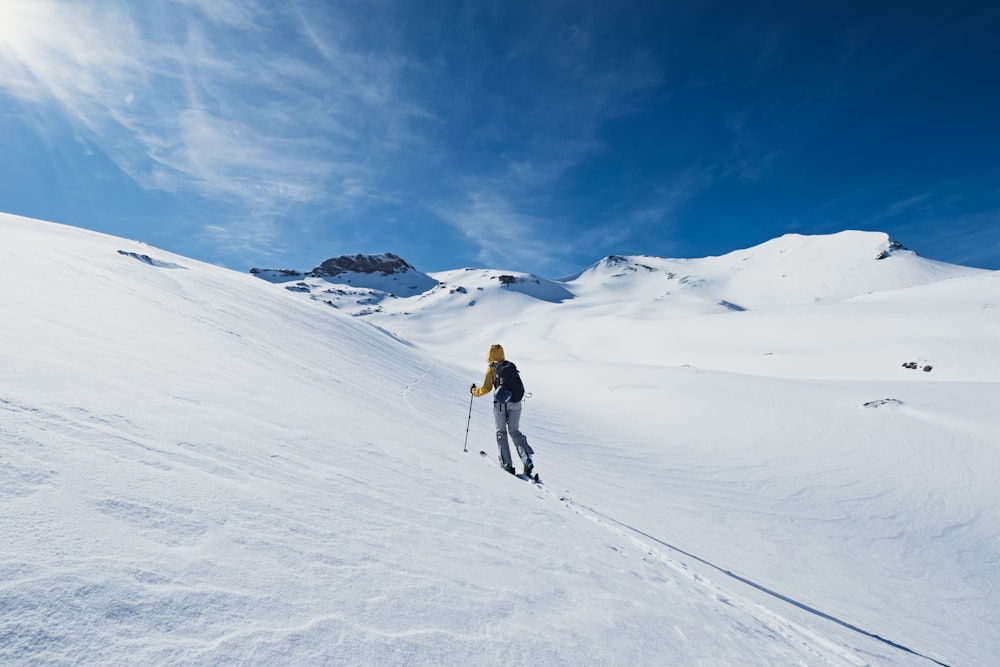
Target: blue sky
{"points": [[537, 136]]}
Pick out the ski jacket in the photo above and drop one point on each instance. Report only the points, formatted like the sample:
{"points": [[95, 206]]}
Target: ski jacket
{"points": [[495, 354]]}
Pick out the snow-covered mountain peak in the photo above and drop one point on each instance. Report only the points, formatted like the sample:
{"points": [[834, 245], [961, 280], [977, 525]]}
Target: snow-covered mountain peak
{"points": [[841, 248], [790, 270], [489, 281], [616, 266], [356, 283], [796, 269]]}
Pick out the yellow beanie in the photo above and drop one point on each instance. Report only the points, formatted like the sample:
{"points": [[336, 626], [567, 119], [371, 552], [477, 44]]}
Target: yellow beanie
{"points": [[495, 354]]}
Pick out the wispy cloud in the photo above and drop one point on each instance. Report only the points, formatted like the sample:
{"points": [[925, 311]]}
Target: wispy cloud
{"points": [[201, 96], [908, 206], [504, 236], [969, 239]]}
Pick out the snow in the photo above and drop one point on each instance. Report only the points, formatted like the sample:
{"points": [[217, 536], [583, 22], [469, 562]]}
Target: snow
{"points": [[201, 467]]}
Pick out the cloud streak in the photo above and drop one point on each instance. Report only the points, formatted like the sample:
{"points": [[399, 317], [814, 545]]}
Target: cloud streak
{"points": [[503, 236], [208, 104]]}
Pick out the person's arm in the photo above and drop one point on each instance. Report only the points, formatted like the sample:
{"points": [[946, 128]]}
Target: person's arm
{"points": [[487, 385]]}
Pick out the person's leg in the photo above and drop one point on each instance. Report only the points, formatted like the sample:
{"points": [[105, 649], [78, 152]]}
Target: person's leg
{"points": [[514, 426], [500, 415]]}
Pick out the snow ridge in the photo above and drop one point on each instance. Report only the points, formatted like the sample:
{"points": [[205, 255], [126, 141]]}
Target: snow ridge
{"points": [[789, 271]]}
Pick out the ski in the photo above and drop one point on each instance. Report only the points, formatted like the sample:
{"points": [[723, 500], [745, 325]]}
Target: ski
{"points": [[527, 478]]}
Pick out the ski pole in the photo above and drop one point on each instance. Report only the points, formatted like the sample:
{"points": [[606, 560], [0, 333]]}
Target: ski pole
{"points": [[465, 447]]}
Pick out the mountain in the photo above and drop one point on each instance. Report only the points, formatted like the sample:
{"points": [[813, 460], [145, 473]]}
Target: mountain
{"points": [[201, 467], [813, 285], [357, 282], [789, 271]]}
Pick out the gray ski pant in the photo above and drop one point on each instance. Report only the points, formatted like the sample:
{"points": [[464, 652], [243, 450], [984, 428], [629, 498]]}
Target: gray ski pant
{"points": [[508, 418]]}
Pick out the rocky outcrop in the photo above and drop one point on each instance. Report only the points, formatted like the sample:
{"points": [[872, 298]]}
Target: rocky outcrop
{"points": [[385, 264]]}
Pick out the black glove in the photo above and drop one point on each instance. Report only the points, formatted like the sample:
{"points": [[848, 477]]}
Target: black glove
{"points": [[472, 388]]}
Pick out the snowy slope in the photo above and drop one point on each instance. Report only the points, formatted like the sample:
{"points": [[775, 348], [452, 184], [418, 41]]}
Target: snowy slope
{"points": [[200, 467]]}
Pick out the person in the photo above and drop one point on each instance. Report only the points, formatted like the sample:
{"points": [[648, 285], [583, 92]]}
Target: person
{"points": [[507, 413]]}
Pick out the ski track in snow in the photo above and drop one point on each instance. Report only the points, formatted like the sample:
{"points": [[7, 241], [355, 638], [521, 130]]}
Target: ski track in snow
{"points": [[790, 631], [765, 620]]}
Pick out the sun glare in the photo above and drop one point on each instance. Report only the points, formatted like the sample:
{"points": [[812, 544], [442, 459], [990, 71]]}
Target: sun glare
{"points": [[30, 32], [21, 22]]}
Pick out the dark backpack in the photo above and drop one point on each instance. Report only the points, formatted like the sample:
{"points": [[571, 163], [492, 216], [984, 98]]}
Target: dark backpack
{"points": [[507, 382]]}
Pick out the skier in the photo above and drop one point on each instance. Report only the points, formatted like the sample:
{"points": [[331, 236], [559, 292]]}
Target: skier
{"points": [[502, 375]]}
